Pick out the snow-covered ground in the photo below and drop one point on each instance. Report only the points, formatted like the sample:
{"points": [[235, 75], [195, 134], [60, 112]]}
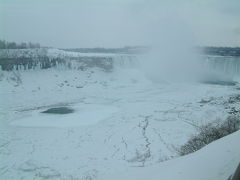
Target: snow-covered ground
{"points": [[217, 160], [122, 121]]}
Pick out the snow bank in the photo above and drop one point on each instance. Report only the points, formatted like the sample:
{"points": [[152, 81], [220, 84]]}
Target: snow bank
{"points": [[215, 161]]}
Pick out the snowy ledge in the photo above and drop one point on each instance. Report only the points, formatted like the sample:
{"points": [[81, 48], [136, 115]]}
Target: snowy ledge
{"points": [[216, 161]]}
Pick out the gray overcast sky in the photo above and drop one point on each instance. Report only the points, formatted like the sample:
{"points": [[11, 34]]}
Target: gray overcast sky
{"points": [[116, 23]]}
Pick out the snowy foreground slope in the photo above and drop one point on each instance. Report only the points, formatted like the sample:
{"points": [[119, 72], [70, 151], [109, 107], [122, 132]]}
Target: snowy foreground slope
{"points": [[217, 160], [122, 122]]}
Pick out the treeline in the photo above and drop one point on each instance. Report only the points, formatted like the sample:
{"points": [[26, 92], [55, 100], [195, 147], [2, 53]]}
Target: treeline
{"points": [[13, 45]]}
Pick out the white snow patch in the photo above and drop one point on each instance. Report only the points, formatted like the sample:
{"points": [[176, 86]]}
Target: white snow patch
{"points": [[83, 115], [217, 160]]}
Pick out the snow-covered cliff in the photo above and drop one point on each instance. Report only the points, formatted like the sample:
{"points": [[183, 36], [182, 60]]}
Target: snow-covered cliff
{"points": [[44, 58]]}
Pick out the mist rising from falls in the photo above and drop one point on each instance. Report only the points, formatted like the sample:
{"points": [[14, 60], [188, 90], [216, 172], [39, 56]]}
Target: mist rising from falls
{"points": [[172, 56], [173, 59]]}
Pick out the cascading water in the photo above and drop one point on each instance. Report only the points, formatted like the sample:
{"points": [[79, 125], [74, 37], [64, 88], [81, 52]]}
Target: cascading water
{"points": [[211, 67], [125, 61], [225, 65]]}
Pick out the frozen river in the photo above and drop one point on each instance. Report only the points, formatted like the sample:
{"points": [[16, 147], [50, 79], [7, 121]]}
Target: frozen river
{"points": [[120, 120]]}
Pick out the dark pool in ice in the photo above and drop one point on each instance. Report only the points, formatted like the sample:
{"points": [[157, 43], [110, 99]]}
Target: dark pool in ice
{"points": [[59, 110]]}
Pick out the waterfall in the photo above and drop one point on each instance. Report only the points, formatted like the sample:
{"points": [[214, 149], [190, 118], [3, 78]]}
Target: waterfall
{"points": [[125, 61], [229, 65], [31, 59]]}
